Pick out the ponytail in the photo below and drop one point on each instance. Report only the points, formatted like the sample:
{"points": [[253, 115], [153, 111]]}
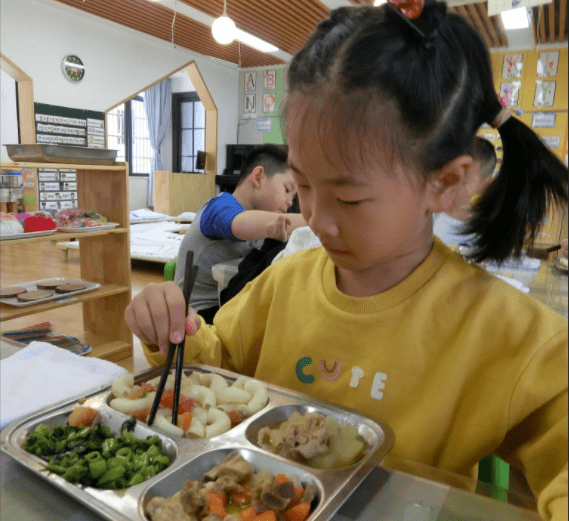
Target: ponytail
{"points": [[508, 215]]}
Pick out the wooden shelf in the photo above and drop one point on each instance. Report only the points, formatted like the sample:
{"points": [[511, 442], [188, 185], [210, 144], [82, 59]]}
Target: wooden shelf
{"points": [[104, 258], [61, 236], [8, 312]]}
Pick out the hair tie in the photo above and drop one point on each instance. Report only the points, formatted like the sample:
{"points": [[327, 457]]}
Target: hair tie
{"points": [[502, 116], [409, 10], [412, 9]]}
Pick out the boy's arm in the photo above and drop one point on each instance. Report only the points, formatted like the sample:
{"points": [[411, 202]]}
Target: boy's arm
{"points": [[537, 440], [252, 225]]}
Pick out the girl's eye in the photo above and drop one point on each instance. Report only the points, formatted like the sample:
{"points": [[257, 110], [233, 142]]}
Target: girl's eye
{"points": [[348, 203], [303, 187]]}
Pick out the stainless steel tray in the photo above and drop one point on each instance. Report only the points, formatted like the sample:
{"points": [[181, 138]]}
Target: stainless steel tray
{"points": [[193, 457], [33, 286], [61, 154]]}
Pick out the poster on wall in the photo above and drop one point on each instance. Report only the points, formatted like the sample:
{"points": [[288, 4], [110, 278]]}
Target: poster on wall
{"points": [[269, 102], [270, 79], [547, 64], [513, 64], [543, 120], [544, 93], [551, 142], [70, 127], [509, 91], [250, 81]]}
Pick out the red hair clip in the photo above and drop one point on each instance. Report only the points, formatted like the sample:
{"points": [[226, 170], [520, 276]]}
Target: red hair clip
{"points": [[412, 9]]}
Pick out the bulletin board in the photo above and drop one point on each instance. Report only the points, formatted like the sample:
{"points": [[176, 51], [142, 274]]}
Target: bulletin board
{"points": [[535, 83], [57, 187], [70, 127], [261, 93]]}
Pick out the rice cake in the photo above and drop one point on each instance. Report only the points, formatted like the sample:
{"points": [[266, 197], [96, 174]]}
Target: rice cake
{"points": [[30, 296], [10, 292], [69, 288], [50, 284]]}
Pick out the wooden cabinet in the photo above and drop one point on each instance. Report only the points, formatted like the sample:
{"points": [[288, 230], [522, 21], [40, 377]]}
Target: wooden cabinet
{"points": [[176, 193], [104, 258]]}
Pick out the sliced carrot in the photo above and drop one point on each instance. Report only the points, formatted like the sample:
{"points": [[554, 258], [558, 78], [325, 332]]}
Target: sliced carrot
{"points": [[268, 515], [216, 504], [141, 414], [281, 478], [185, 405], [185, 420], [167, 399], [234, 417], [249, 514], [81, 417], [296, 513], [295, 500]]}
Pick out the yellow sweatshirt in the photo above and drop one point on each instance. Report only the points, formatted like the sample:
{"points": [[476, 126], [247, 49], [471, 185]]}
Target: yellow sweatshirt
{"points": [[459, 363]]}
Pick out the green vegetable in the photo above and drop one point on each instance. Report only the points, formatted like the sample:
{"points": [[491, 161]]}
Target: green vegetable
{"points": [[135, 480], [97, 468], [95, 457], [75, 473], [111, 475]]}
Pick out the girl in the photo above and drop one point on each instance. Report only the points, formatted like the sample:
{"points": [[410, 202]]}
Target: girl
{"points": [[380, 114]]}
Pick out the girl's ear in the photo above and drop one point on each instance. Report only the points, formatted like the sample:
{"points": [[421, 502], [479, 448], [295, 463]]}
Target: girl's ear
{"points": [[257, 175], [446, 187]]}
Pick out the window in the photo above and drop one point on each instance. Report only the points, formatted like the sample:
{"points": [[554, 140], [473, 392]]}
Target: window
{"points": [[188, 131], [128, 134]]}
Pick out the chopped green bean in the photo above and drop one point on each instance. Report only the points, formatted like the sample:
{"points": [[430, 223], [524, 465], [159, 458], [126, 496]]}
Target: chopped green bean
{"points": [[93, 456]]}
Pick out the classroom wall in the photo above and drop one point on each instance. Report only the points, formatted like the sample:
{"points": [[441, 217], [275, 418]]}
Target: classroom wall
{"points": [[37, 34]]}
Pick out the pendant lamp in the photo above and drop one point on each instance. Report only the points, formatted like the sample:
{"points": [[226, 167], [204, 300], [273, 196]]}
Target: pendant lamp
{"points": [[223, 28]]}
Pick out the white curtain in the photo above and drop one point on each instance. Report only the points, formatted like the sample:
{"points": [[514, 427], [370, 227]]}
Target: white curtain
{"points": [[158, 105]]}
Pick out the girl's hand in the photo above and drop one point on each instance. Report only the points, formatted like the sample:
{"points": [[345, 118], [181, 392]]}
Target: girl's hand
{"points": [[157, 316]]}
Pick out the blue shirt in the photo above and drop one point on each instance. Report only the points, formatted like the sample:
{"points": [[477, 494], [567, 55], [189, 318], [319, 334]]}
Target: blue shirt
{"points": [[216, 219]]}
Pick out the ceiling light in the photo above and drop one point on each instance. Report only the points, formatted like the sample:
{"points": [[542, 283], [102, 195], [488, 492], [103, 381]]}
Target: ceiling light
{"points": [[253, 41], [379, 2], [515, 18], [223, 28]]}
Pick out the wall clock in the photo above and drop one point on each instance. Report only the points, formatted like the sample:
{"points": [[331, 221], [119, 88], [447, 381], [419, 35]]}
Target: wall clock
{"points": [[73, 68]]}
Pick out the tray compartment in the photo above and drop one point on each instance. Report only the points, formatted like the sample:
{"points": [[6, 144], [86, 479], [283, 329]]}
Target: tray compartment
{"points": [[198, 466], [156, 373], [373, 436], [113, 421]]}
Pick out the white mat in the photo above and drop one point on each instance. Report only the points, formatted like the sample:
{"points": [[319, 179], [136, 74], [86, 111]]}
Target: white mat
{"points": [[42, 374]]}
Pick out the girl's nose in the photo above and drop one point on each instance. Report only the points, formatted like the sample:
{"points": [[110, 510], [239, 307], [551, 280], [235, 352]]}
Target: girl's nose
{"points": [[322, 222]]}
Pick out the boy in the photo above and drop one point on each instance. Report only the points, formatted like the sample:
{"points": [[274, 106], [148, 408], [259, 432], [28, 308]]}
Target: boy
{"points": [[448, 226], [229, 226]]}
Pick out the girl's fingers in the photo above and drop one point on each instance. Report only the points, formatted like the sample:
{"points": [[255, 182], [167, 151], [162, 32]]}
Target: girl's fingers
{"points": [[193, 322], [160, 320], [137, 316], [176, 305]]}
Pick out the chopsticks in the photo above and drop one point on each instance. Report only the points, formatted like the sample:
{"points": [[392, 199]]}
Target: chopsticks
{"points": [[190, 274]]}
